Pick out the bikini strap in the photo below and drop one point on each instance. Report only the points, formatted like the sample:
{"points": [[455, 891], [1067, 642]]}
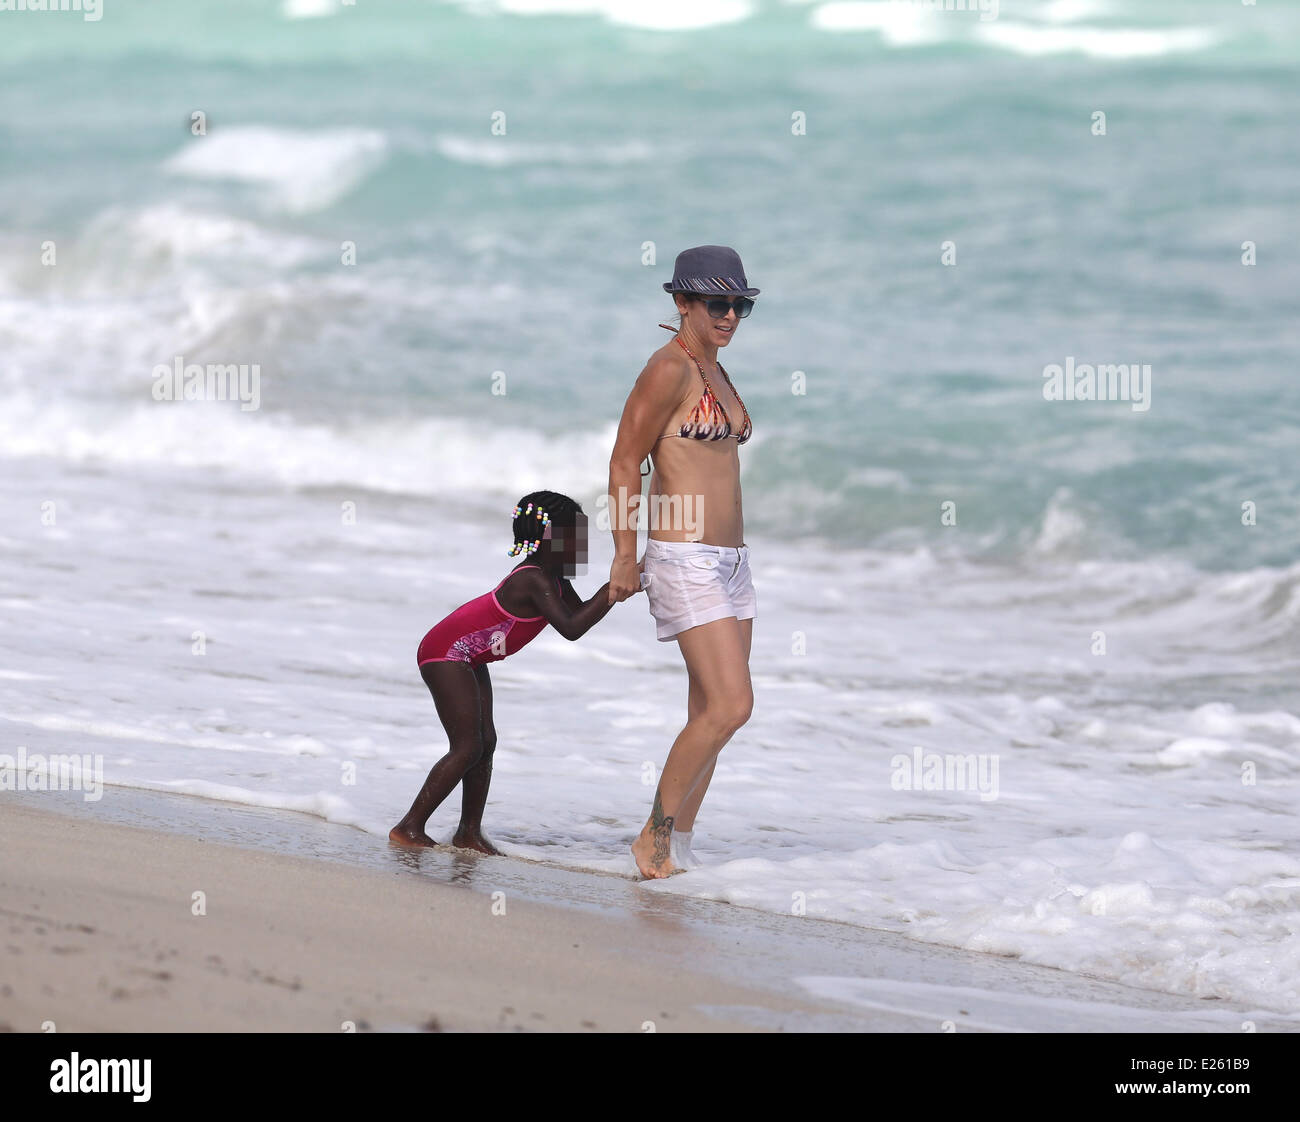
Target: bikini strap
{"points": [[699, 365], [748, 423]]}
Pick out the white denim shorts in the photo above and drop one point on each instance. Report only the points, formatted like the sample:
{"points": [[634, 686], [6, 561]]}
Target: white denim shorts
{"points": [[690, 583]]}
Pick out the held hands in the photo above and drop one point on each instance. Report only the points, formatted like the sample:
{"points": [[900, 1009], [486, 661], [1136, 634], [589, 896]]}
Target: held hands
{"points": [[625, 578]]}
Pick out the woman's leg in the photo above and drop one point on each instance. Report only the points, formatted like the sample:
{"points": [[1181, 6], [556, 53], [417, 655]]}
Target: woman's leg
{"points": [[685, 817], [455, 690], [474, 788], [716, 657]]}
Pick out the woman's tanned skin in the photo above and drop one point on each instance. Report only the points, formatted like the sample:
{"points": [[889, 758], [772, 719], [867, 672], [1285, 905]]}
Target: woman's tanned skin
{"points": [[699, 479]]}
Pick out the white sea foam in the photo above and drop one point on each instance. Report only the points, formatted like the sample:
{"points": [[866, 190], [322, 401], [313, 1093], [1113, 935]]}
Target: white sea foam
{"points": [[1095, 42], [662, 15], [1062, 29], [309, 9], [1063, 526], [420, 457], [899, 25], [300, 171], [173, 232]]}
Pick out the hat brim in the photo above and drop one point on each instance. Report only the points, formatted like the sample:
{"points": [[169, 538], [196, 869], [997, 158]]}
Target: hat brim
{"points": [[668, 287]]}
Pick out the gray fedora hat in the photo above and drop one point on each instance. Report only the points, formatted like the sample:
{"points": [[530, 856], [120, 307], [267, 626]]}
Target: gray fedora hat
{"points": [[710, 269]]}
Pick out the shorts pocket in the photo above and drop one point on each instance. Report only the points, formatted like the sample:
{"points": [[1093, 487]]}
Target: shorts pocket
{"points": [[704, 561]]}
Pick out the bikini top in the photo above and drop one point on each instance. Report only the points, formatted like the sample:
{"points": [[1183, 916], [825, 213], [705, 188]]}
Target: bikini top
{"points": [[709, 420]]}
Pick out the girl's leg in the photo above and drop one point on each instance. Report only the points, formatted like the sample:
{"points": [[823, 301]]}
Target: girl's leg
{"points": [[716, 658], [455, 692], [474, 788], [685, 817]]}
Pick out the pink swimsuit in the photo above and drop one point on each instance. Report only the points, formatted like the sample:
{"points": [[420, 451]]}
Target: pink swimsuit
{"points": [[468, 634]]}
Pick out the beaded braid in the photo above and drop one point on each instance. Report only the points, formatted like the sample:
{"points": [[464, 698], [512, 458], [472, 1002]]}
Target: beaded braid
{"points": [[527, 547], [533, 513]]}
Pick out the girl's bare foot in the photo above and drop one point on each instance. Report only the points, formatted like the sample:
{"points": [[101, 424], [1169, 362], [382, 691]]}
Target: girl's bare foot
{"points": [[475, 840], [412, 839]]}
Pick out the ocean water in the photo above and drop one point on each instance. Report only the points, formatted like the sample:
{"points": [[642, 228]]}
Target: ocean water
{"points": [[226, 600]]}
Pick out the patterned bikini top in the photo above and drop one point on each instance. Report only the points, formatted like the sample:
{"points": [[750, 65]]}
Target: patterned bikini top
{"points": [[709, 420]]}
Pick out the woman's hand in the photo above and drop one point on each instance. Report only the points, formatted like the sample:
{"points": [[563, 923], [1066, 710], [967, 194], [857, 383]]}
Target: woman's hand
{"points": [[624, 578]]}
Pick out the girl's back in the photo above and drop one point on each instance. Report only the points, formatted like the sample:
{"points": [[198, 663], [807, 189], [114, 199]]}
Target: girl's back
{"points": [[481, 630]]}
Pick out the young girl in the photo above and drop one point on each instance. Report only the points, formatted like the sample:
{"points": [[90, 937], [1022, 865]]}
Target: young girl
{"points": [[550, 529]]}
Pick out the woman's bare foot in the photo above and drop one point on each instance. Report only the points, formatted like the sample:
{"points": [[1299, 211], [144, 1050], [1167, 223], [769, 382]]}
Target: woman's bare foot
{"points": [[643, 853], [411, 839], [475, 840], [652, 849]]}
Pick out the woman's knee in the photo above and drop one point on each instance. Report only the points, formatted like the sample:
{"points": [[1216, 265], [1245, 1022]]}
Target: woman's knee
{"points": [[743, 708], [727, 714]]}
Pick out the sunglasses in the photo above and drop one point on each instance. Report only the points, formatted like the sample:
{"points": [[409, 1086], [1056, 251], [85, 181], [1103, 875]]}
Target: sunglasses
{"points": [[717, 308]]}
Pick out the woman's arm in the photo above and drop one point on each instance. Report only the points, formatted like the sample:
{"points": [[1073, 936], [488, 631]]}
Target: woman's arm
{"points": [[649, 407]]}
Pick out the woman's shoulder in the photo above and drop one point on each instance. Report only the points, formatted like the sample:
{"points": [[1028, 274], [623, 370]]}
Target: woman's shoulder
{"points": [[666, 370]]}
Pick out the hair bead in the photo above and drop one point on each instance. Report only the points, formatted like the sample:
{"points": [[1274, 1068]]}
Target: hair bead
{"points": [[562, 508]]}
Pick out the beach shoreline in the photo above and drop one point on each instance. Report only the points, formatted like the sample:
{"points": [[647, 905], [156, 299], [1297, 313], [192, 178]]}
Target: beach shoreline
{"points": [[171, 933], [299, 936]]}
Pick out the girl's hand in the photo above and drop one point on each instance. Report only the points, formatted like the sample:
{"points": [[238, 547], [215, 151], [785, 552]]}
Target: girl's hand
{"points": [[624, 579]]}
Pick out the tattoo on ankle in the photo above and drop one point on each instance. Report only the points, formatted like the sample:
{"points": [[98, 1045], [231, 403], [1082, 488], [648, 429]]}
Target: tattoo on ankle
{"points": [[661, 826]]}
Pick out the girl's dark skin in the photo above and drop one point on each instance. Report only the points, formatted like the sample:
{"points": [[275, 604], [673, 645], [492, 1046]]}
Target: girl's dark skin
{"points": [[463, 693]]}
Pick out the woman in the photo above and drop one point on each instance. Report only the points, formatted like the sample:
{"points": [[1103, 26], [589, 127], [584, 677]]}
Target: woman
{"points": [[685, 414]]}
